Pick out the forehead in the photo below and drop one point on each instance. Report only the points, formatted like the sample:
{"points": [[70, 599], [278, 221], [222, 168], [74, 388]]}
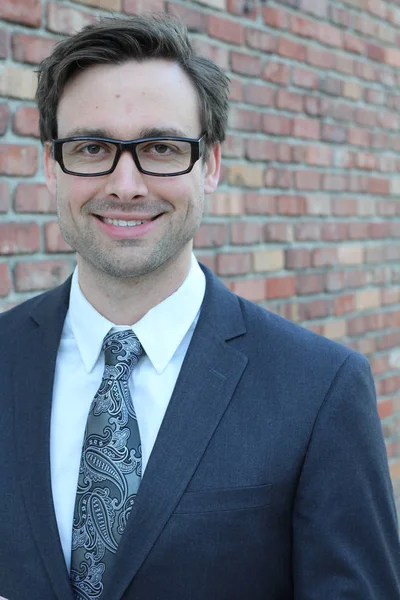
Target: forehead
{"points": [[125, 99]]}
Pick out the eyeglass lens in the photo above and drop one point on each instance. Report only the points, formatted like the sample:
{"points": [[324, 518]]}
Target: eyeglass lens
{"points": [[157, 156]]}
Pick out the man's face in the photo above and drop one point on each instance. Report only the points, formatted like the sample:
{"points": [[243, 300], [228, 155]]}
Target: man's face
{"points": [[125, 102]]}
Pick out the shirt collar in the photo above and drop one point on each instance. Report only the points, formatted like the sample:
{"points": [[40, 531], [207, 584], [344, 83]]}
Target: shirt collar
{"points": [[160, 331]]}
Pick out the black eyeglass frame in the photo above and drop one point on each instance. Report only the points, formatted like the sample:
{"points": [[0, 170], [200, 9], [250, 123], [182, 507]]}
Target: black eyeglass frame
{"points": [[197, 146]]}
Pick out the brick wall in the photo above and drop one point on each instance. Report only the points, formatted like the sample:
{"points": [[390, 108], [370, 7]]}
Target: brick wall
{"points": [[307, 217]]}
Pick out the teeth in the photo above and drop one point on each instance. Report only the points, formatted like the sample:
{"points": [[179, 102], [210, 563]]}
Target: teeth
{"points": [[121, 223]]}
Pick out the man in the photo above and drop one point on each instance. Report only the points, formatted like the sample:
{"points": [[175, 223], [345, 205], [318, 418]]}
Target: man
{"points": [[161, 437]]}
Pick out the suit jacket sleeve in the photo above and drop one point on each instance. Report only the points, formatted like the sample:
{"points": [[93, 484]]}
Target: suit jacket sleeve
{"points": [[345, 532]]}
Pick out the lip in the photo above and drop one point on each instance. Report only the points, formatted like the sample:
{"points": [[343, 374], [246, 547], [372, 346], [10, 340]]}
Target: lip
{"points": [[124, 233]]}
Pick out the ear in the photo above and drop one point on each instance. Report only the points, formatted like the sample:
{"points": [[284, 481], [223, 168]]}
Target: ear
{"points": [[50, 169], [212, 169]]}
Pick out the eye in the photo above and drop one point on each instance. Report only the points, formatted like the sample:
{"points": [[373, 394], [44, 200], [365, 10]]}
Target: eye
{"points": [[161, 149], [92, 149]]}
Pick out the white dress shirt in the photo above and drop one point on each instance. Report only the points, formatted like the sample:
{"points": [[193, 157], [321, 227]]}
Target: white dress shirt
{"points": [[165, 333]]}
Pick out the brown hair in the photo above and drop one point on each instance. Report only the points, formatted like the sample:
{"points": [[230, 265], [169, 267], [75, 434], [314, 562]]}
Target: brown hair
{"points": [[117, 40]]}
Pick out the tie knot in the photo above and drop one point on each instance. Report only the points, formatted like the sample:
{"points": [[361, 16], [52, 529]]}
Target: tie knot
{"points": [[122, 351]]}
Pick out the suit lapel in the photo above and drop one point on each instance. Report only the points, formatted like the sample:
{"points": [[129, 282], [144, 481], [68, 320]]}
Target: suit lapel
{"points": [[36, 359], [207, 381]]}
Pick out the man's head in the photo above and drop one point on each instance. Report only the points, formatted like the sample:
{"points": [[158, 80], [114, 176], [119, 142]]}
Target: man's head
{"points": [[120, 81], [140, 38]]}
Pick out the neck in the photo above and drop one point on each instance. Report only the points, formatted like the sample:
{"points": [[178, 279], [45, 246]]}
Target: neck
{"points": [[124, 301]]}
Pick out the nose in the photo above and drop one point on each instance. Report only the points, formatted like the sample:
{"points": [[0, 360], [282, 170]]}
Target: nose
{"points": [[126, 181]]}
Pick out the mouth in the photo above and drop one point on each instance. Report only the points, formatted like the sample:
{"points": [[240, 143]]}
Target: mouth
{"points": [[125, 223]]}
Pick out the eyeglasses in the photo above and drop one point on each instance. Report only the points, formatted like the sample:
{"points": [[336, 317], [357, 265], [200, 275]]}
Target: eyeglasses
{"points": [[159, 156]]}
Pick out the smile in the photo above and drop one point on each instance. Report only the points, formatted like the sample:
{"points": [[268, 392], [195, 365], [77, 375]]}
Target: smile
{"points": [[121, 223]]}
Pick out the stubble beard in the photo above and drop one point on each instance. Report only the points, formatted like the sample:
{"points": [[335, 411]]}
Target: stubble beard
{"points": [[122, 262]]}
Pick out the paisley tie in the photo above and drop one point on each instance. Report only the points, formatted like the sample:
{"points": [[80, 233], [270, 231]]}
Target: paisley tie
{"points": [[110, 469]]}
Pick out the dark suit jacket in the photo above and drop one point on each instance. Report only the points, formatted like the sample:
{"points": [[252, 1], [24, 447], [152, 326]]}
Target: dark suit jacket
{"points": [[268, 480]]}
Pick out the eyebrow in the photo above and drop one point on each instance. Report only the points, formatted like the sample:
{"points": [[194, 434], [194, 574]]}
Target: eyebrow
{"points": [[144, 133]]}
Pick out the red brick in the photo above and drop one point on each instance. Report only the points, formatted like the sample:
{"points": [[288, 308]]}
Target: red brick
{"points": [[259, 94], [284, 152], [5, 280], [303, 27], [257, 39], [305, 78], [375, 52], [209, 260], [289, 49], [377, 8], [379, 186], [19, 238], [334, 133], [216, 53], [306, 128], [278, 232], [245, 64], [325, 257], [195, 20], [332, 86], [334, 182], [33, 198], [54, 241], [344, 64], [251, 289], [260, 149], [234, 263], [5, 118], [320, 58], [18, 159], [246, 232], [308, 180], [30, 276], [278, 178], [344, 207], [307, 231], [260, 204], [245, 119], [27, 12], [353, 44], [63, 19], [291, 205], [236, 90], [275, 17], [329, 35], [139, 7], [341, 17], [334, 231], [4, 42], [26, 121], [233, 146], [319, 156], [319, 9], [316, 309], [31, 48], [388, 120], [277, 72], [310, 283], [366, 71], [359, 137], [379, 230], [298, 258], [226, 30], [290, 101], [277, 125], [242, 8], [280, 287], [334, 280], [316, 107], [5, 197]]}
